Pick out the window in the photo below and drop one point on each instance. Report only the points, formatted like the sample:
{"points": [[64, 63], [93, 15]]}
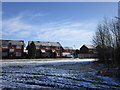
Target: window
{"points": [[42, 50], [11, 50], [58, 54], [18, 54], [53, 50], [58, 48], [18, 47], [4, 53], [4, 46], [47, 47], [37, 47]]}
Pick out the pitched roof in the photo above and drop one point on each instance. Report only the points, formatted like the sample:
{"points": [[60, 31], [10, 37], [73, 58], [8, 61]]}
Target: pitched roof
{"points": [[39, 43], [12, 42], [68, 48], [4, 42], [16, 42], [90, 46]]}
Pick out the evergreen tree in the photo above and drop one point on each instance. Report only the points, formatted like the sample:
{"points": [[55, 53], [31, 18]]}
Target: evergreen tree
{"points": [[31, 50]]}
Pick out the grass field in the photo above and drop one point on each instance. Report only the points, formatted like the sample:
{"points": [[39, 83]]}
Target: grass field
{"points": [[55, 74]]}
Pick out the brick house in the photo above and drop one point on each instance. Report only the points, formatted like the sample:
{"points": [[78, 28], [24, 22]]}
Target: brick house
{"points": [[68, 52], [45, 49], [12, 48]]}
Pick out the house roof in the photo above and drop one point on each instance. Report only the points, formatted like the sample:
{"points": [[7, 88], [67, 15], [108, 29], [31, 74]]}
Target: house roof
{"points": [[4, 42], [90, 46], [12, 42], [68, 48], [16, 42], [39, 43]]}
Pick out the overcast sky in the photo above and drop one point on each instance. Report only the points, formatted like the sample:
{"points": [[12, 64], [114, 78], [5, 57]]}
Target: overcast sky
{"points": [[68, 23]]}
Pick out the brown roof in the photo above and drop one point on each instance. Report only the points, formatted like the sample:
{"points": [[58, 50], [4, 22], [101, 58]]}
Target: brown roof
{"points": [[39, 43], [68, 48], [90, 46], [12, 42]]}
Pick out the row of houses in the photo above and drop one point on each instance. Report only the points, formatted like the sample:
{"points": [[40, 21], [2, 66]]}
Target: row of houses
{"points": [[17, 49], [44, 49]]}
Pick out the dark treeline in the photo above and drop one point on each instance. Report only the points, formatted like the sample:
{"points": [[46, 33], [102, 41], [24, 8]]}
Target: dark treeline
{"points": [[107, 41]]}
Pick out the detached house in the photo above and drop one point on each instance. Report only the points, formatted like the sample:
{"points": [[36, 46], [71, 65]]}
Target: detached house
{"points": [[87, 51], [12, 48], [46, 49]]}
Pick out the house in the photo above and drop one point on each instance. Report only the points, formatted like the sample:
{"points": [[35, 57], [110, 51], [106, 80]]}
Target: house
{"points": [[87, 51], [47, 49], [12, 48], [68, 52]]}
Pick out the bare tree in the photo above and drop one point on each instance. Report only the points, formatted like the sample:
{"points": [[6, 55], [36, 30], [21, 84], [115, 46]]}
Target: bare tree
{"points": [[103, 41], [115, 29]]}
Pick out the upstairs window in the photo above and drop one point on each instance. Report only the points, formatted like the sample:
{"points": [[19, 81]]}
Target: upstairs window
{"points": [[58, 48], [42, 50], [47, 47], [11, 50], [18, 47], [37, 47], [4, 46], [53, 50]]}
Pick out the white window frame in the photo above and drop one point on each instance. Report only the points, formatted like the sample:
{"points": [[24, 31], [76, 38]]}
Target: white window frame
{"points": [[18, 47], [58, 53], [53, 50], [11, 50], [18, 54], [47, 47], [4, 46], [37, 47], [43, 51]]}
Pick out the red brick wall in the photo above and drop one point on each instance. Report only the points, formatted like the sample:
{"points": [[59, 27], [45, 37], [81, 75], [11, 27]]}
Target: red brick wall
{"points": [[50, 48], [69, 51], [13, 54]]}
